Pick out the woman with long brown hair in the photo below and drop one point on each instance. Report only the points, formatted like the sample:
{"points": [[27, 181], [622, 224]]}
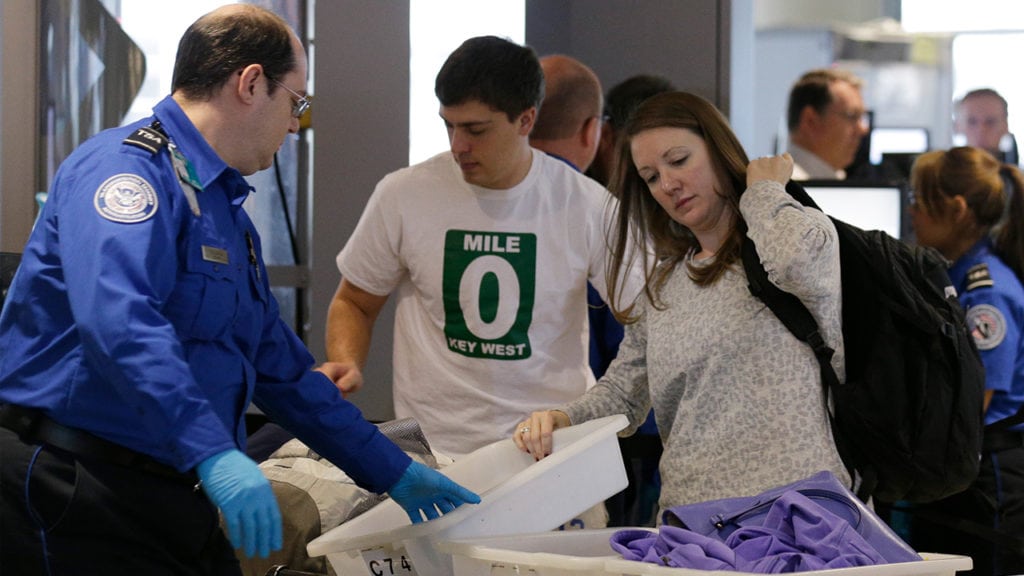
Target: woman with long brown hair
{"points": [[737, 399]]}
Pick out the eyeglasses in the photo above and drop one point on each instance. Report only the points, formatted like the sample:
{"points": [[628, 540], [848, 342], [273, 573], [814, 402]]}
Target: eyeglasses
{"points": [[301, 104], [853, 117]]}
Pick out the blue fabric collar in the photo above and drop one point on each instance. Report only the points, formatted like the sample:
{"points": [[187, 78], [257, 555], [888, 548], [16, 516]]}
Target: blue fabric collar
{"points": [[970, 258], [557, 157], [208, 165]]}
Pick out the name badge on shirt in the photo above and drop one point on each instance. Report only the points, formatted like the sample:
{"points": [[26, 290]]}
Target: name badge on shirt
{"points": [[218, 255]]}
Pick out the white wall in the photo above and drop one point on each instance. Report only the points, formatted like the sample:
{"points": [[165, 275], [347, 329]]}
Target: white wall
{"points": [[361, 125], [797, 13]]}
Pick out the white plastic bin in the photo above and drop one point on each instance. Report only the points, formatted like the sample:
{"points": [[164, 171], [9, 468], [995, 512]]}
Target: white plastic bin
{"points": [[569, 553], [518, 495], [588, 552]]}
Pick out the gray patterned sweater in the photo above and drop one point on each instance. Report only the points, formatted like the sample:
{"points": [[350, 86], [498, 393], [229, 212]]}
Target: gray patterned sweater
{"points": [[737, 398]]}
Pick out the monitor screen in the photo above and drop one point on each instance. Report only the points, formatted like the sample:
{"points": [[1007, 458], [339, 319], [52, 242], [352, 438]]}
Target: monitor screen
{"points": [[867, 206], [896, 140]]}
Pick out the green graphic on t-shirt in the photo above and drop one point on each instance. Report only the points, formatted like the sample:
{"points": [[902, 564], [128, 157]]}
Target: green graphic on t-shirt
{"points": [[489, 287]]}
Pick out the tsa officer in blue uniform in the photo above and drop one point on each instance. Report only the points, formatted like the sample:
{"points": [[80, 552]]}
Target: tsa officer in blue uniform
{"points": [[141, 325], [969, 206]]}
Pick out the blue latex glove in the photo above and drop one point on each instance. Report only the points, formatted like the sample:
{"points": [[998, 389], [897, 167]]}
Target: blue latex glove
{"points": [[422, 490], [237, 486]]}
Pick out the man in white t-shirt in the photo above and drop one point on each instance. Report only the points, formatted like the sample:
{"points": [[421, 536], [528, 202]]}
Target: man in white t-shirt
{"points": [[488, 249]]}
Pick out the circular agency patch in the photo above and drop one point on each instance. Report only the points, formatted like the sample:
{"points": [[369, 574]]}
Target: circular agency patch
{"points": [[126, 198], [987, 325]]}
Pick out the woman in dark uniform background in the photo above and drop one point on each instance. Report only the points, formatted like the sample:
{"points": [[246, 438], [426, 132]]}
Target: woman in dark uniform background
{"points": [[968, 205]]}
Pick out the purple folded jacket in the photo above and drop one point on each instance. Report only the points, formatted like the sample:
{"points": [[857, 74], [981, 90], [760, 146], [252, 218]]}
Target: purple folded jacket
{"points": [[797, 535]]}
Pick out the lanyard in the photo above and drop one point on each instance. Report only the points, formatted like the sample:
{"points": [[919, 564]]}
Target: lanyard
{"points": [[187, 178]]}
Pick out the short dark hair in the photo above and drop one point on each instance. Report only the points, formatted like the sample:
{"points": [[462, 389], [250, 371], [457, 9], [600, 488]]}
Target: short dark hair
{"points": [[495, 71], [627, 95], [814, 89], [982, 92], [220, 43]]}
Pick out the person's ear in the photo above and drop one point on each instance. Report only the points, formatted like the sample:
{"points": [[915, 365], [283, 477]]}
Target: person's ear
{"points": [[590, 133], [959, 211], [526, 121], [810, 118], [249, 79]]}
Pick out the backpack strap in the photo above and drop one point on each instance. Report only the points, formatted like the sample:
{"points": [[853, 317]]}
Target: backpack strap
{"points": [[1008, 422], [791, 311], [787, 307]]}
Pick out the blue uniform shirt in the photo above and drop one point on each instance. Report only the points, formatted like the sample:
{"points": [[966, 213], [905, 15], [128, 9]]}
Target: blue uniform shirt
{"points": [[134, 319], [993, 297]]}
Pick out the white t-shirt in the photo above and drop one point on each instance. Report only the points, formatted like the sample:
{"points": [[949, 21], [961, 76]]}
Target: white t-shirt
{"points": [[491, 316]]}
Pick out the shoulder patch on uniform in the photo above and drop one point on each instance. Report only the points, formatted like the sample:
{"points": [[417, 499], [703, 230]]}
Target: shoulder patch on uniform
{"points": [[126, 198], [987, 325], [978, 276], [148, 139]]}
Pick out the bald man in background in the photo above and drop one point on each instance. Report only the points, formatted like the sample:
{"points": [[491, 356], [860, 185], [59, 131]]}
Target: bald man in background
{"points": [[568, 127], [569, 122], [982, 116]]}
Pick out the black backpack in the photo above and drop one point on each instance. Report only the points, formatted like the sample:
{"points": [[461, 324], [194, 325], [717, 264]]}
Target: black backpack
{"points": [[908, 419]]}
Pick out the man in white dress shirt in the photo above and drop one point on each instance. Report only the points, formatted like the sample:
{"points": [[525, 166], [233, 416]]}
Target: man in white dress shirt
{"points": [[827, 121]]}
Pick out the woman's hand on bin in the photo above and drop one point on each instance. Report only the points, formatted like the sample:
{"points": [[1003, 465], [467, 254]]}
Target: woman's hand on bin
{"points": [[422, 491], [533, 435]]}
